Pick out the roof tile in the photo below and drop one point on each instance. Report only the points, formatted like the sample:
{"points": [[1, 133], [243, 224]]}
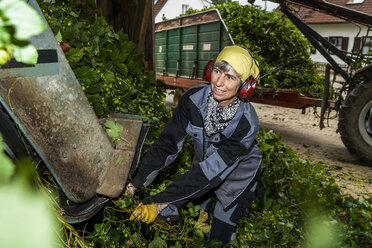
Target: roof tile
{"points": [[158, 6], [312, 16]]}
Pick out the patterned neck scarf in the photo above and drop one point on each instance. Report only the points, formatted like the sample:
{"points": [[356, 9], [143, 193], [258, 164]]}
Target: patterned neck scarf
{"points": [[218, 118]]}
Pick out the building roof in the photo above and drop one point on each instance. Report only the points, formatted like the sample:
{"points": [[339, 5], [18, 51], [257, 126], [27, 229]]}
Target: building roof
{"points": [[158, 6], [312, 16]]}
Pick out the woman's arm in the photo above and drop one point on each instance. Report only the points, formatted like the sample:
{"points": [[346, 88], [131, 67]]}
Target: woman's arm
{"points": [[203, 177], [165, 150]]}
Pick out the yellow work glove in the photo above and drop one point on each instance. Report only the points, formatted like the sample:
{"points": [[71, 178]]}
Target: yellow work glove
{"points": [[147, 213], [144, 213], [129, 190]]}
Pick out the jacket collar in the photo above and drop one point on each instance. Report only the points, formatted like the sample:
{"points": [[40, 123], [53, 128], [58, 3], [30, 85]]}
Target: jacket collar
{"points": [[200, 99]]}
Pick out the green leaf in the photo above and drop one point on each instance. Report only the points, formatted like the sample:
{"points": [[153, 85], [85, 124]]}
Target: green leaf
{"points": [[97, 227], [193, 209], [27, 54], [82, 72], [158, 243], [4, 56], [265, 147], [215, 243], [26, 21], [6, 166], [201, 226], [59, 36], [113, 129], [176, 246], [4, 36], [121, 67], [268, 202], [72, 13], [119, 160], [20, 209], [74, 55], [85, 36], [123, 203], [93, 89], [87, 75], [109, 76]]}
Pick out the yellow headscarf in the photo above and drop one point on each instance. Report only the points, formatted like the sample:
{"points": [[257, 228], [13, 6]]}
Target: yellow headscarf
{"points": [[241, 60]]}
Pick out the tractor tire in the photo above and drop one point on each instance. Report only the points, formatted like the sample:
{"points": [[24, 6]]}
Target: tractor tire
{"points": [[355, 122]]}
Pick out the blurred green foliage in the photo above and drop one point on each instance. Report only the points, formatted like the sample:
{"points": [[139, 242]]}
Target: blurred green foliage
{"points": [[18, 23], [23, 206]]}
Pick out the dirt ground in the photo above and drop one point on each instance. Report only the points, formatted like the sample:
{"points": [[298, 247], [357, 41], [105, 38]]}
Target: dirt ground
{"points": [[301, 132]]}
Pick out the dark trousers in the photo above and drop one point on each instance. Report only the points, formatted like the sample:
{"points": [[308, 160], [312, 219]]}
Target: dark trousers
{"points": [[224, 222]]}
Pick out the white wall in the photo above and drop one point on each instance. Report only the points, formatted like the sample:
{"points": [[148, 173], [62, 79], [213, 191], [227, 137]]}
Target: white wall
{"points": [[173, 8], [337, 30]]}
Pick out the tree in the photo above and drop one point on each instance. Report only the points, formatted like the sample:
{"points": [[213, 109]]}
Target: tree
{"points": [[215, 2]]}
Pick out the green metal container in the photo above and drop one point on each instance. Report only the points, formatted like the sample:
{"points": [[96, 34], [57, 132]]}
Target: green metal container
{"points": [[184, 45]]}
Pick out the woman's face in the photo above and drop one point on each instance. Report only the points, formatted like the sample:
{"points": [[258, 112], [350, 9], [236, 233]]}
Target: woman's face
{"points": [[224, 86]]}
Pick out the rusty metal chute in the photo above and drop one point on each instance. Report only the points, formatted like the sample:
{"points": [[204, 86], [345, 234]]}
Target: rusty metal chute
{"points": [[54, 116]]}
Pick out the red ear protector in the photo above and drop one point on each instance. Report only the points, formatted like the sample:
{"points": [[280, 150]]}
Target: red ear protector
{"points": [[245, 90], [207, 74]]}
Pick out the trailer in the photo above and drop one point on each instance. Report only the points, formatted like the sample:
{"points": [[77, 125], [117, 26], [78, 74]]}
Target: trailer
{"points": [[354, 102]]}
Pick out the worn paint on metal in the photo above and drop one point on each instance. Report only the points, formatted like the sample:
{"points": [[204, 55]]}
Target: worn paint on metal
{"points": [[37, 70]]}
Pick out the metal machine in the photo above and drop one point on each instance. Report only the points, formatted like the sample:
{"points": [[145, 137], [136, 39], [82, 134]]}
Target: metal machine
{"points": [[354, 101], [45, 114]]}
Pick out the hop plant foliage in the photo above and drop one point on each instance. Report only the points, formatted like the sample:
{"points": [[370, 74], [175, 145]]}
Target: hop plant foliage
{"points": [[298, 192], [300, 200]]}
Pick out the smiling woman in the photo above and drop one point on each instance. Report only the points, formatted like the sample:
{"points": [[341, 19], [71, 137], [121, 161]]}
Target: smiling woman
{"points": [[227, 162], [235, 74]]}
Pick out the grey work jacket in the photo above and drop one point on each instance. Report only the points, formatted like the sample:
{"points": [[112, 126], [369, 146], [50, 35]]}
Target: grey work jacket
{"points": [[226, 162]]}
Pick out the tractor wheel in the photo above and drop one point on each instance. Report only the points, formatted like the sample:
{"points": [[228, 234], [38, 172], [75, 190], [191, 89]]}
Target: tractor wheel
{"points": [[355, 122]]}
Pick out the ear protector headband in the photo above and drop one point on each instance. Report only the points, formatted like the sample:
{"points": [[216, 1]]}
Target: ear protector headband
{"points": [[246, 89]]}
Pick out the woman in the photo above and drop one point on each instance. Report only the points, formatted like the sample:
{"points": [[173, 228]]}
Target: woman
{"points": [[226, 166]]}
